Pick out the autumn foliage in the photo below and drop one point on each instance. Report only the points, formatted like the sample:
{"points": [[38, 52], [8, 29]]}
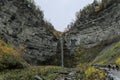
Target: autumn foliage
{"points": [[118, 61], [94, 74], [9, 57], [6, 49]]}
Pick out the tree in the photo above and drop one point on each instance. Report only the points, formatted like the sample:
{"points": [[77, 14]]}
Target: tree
{"points": [[31, 1], [106, 3]]}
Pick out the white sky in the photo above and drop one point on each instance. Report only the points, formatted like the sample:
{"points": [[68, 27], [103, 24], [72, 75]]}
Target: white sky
{"points": [[61, 12]]}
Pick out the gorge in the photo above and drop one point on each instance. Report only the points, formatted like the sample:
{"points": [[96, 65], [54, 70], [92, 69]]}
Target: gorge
{"points": [[29, 44]]}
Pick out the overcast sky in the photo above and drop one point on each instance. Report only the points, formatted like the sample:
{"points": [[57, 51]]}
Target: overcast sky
{"points": [[61, 12]]}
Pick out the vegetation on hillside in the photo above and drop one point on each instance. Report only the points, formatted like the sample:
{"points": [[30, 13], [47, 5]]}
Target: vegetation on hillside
{"points": [[117, 61], [50, 27], [51, 73], [47, 24], [30, 4], [98, 53], [87, 55], [10, 58], [110, 56], [46, 72], [87, 72], [89, 13], [39, 14], [15, 68], [94, 74]]}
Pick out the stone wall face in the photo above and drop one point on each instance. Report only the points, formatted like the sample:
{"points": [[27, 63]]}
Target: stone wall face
{"points": [[103, 28], [20, 24]]}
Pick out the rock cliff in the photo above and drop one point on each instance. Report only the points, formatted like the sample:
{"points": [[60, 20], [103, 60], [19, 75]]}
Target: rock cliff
{"points": [[21, 23], [96, 28]]}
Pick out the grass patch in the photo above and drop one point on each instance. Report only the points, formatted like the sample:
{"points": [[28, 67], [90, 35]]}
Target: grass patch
{"points": [[110, 55], [86, 55], [46, 72]]}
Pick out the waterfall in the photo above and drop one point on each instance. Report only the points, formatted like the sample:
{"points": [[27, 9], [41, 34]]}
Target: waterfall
{"points": [[62, 52]]}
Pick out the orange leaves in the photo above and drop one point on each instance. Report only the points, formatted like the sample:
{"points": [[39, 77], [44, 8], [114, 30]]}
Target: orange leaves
{"points": [[6, 49]]}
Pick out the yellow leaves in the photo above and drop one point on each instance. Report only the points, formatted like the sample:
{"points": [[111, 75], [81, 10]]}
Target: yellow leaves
{"points": [[94, 74], [117, 61], [97, 8], [56, 33], [2, 43], [89, 71], [6, 49], [102, 75]]}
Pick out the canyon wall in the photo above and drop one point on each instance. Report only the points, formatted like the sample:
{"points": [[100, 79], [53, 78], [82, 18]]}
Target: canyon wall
{"points": [[22, 24]]}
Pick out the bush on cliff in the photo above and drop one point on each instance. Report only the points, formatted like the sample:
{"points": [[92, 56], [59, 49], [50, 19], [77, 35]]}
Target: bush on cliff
{"points": [[9, 57]]}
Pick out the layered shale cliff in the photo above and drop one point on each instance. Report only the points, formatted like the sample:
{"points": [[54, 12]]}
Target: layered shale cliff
{"points": [[22, 24], [94, 29]]}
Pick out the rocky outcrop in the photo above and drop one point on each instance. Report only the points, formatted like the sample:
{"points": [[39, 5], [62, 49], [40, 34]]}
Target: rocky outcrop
{"points": [[21, 23], [99, 27]]}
